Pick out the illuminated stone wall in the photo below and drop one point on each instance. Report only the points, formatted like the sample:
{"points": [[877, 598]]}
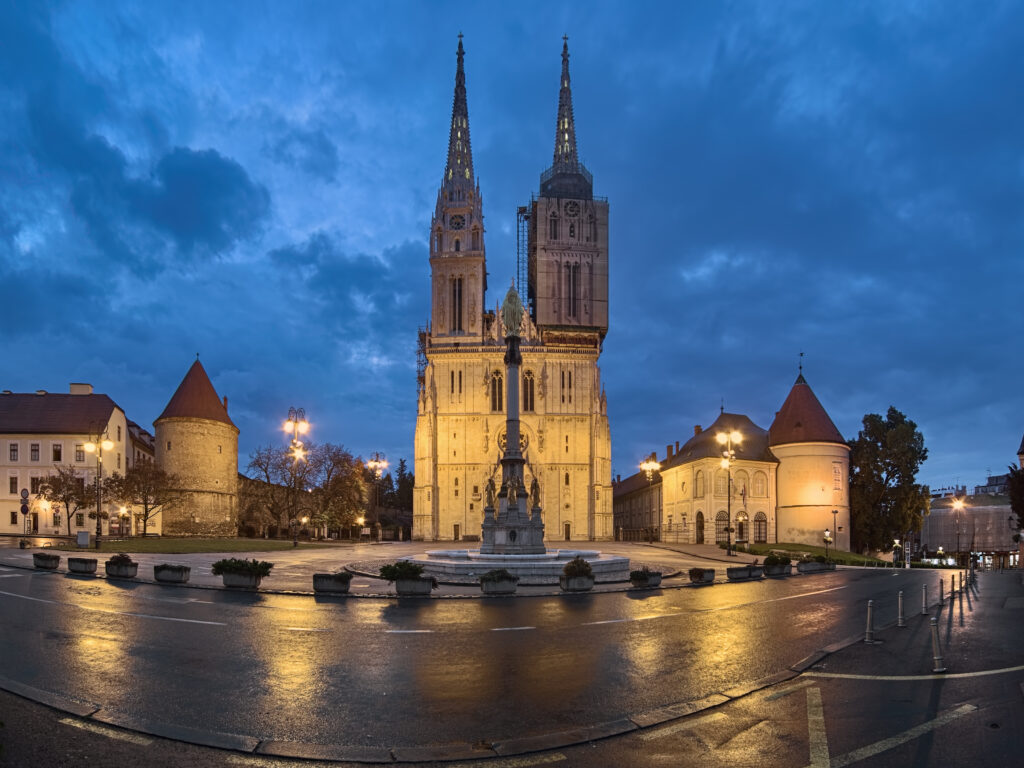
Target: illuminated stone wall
{"points": [[813, 479]]}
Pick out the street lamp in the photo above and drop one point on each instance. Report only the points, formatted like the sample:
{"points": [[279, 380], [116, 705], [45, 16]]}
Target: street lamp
{"points": [[940, 554], [828, 540], [377, 465], [296, 424], [98, 445], [649, 467], [835, 524], [295, 529], [895, 546], [726, 440]]}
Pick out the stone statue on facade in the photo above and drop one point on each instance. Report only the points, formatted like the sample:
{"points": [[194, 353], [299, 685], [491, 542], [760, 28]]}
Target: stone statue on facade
{"points": [[489, 492], [512, 312]]}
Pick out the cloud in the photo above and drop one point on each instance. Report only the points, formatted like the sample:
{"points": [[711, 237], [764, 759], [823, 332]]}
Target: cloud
{"points": [[309, 150]]}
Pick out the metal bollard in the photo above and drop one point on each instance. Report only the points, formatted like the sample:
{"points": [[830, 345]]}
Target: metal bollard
{"points": [[869, 633], [924, 599], [936, 652], [899, 618], [952, 586], [942, 597]]}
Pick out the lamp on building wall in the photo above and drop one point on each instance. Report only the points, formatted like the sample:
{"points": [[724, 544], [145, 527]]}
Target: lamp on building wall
{"points": [[726, 440], [98, 443]]}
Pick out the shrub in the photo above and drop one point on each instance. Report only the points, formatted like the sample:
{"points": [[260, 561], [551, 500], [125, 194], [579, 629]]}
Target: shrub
{"points": [[253, 567], [120, 559], [642, 574], [499, 574], [403, 569], [774, 559], [820, 559], [341, 576], [577, 567]]}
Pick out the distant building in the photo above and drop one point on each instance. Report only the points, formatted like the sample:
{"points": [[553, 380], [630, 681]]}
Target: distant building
{"points": [[787, 482], [197, 441]]}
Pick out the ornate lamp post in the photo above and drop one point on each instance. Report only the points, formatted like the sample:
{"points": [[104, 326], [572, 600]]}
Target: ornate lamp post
{"points": [[377, 465], [296, 424], [895, 546], [727, 440], [835, 526], [649, 467], [97, 445], [828, 540]]}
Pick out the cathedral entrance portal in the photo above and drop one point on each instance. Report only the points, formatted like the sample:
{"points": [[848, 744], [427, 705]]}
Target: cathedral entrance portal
{"points": [[456, 532]]}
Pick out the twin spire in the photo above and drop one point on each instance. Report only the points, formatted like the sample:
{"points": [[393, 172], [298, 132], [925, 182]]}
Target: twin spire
{"points": [[459, 168]]}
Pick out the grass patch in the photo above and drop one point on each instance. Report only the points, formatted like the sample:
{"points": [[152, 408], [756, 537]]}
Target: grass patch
{"points": [[172, 546], [796, 550]]}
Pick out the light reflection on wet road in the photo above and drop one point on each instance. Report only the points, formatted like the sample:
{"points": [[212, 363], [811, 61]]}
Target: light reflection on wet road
{"points": [[384, 672]]}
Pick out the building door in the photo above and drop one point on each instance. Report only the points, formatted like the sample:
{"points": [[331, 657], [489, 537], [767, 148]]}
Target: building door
{"points": [[699, 529], [568, 531], [457, 532], [35, 522]]}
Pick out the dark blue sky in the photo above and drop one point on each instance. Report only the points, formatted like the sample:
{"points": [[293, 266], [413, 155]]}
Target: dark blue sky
{"points": [[254, 182]]}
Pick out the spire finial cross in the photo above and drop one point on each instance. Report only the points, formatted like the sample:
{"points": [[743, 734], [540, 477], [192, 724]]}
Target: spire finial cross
{"points": [[801, 362]]}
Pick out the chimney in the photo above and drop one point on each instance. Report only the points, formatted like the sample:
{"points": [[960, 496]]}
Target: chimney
{"points": [[677, 446], [225, 402], [618, 478], [668, 452], [80, 389], [696, 430]]}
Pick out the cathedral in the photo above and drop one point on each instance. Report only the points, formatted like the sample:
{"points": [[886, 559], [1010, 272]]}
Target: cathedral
{"points": [[563, 280]]}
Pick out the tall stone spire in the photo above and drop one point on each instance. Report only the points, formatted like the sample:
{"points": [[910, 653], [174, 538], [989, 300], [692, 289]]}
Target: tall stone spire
{"points": [[459, 169], [566, 157]]}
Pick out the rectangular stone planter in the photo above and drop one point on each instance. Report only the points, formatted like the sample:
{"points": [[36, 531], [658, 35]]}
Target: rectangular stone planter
{"points": [[410, 587], [756, 572], [241, 580], [332, 583], [576, 583], [172, 574], [775, 571], [653, 580], [738, 573], [708, 577], [121, 571], [498, 587], [86, 565], [811, 567], [45, 561]]}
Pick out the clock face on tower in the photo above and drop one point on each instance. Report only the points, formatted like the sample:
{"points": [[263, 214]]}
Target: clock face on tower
{"points": [[572, 208], [457, 222]]}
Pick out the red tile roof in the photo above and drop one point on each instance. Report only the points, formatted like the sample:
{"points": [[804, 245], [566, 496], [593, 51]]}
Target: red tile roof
{"points": [[54, 414], [802, 419], [196, 398]]}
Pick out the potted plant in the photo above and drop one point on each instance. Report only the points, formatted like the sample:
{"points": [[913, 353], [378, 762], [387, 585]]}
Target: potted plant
{"points": [[498, 582], [334, 583], [577, 576], [777, 565], [170, 573], [738, 572], [408, 578], [645, 577], [85, 565], [702, 576], [46, 561], [241, 573], [121, 566], [809, 565]]}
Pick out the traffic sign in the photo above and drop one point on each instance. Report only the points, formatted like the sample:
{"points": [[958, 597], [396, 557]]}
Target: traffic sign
{"points": [[24, 493], [24, 509]]}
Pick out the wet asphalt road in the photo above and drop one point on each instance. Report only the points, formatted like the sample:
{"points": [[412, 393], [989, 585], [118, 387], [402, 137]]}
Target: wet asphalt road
{"points": [[389, 673]]}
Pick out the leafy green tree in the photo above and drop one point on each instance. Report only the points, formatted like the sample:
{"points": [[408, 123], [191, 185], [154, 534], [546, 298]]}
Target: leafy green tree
{"points": [[1015, 488], [146, 489], [68, 492], [885, 500]]}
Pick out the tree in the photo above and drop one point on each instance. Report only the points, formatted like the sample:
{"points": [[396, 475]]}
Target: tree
{"points": [[338, 490], [885, 500], [67, 491], [1015, 488], [404, 484], [147, 489]]}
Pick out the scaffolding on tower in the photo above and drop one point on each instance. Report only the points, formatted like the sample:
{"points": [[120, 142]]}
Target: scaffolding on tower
{"points": [[522, 255], [421, 359]]}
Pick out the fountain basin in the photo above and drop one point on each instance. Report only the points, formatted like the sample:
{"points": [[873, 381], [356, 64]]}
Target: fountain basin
{"points": [[540, 569]]}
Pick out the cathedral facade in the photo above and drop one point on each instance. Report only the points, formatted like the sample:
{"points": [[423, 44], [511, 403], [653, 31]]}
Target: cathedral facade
{"points": [[460, 423]]}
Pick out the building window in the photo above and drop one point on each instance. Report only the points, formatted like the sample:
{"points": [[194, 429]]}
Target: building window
{"points": [[572, 289], [476, 239], [118, 433], [563, 386], [79, 452], [721, 523], [837, 477], [219, 449], [497, 393], [721, 483], [80, 519], [528, 392], [760, 528], [566, 443], [553, 227], [572, 229], [567, 478], [452, 387], [458, 245], [698, 485], [760, 484], [14, 517], [168, 445], [13, 452], [119, 461], [569, 389], [13, 484], [460, 382], [33, 452], [56, 519], [34, 484], [58, 452], [456, 301]]}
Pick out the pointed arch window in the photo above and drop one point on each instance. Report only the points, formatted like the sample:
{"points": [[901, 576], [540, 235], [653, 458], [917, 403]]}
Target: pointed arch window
{"points": [[593, 227], [497, 393], [553, 227], [476, 239], [698, 485], [437, 241], [458, 245], [528, 390], [456, 284]]}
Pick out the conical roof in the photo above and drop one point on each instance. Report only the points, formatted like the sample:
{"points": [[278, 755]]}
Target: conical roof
{"points": [[196, 398], [802, 419]]}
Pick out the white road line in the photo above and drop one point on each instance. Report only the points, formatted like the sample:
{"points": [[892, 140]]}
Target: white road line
{"points": [[408, 631], [518, 762], [791, 689], [116, 613], [683, 725], [307, 629], [817, 739], [510, 629], [606, 621], [11, 575], [772, 600], [103, 730], [886, 744], [259, 761], [912, 678]]}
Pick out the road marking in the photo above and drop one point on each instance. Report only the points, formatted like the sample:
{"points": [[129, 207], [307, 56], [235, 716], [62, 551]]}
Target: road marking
{"points": [[912, 678], [683, 725], [510, 629], [408, 631], [110, 733], [518, 762], [606, 621], [817, 739], [886, 744], [791, 689], [11, 575], [258, 761], [772, 600], [116, 613], [307, 629]]}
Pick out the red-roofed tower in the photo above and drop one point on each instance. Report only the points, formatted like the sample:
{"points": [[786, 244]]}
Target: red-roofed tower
{"points": [[196, 440]]}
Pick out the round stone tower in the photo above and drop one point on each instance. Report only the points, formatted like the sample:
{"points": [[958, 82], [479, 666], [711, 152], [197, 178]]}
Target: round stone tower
{"points": [[813, 478], [197, 441]]}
